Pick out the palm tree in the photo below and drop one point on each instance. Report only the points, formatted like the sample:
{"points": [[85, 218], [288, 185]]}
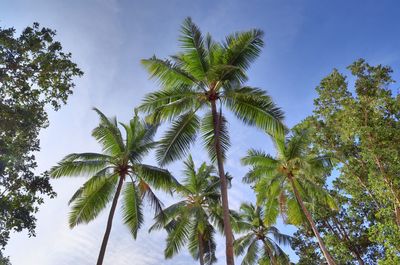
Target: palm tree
{"points": [[118, 165], [189, 221], [285, 182], [204, 74], [256, 231]]}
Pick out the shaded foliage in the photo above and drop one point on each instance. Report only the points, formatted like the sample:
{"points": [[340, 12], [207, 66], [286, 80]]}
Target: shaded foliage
{"points": [[35, 74]]}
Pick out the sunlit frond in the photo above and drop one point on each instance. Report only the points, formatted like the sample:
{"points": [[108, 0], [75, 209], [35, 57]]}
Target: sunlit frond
{"points": [[254, 107], [208, 135], [167, 73], [177, 140], [132, 208], [195, 52], [95, 195], [80, 165], [158, 178]]}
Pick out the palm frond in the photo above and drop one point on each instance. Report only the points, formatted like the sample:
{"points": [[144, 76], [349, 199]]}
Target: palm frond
{"points": [[177, 140], [243, 242], [282, 239], [167, 73], [251, 256], [108, 134], [158, 178], [169, 103], [177, 237], [102, 173], [195, 52], [208, 135], [294, 213], [132, 208], [254, 107], [259, 159], [80, 165], [242, 48], [168, 214], [94, 197]]}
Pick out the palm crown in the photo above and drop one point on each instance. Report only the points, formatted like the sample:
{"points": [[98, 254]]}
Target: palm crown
{"points": [[190, 221], [203, 74], [272, 178], [260, 242], [285, 183], [119, 163]]}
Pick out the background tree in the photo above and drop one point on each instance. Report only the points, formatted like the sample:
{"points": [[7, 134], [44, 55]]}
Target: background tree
{"points": [[190, 221], [256, 233], [202, 76], [35, 74], [286, 183], [360, 131], [117, 169]]}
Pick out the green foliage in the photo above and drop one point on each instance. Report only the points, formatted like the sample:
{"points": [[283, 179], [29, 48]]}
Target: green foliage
{"points": [[203, 73], [121, 159], [260, 242], [289, 183], [359, 128], [191, 221], [35, 75]]}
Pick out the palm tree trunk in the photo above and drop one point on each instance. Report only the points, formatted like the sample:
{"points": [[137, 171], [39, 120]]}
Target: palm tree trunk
{"points": [[224, 187], [201, 249], [321, 244], [109, 222]]}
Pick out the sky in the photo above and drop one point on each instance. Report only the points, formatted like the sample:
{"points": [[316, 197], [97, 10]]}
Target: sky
{"points": [[304, 41]]}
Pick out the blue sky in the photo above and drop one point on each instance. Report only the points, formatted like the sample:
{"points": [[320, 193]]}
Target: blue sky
{"points": [[305, 40]]}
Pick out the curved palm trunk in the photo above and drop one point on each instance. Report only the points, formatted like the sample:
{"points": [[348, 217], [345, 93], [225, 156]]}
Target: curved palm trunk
{"points": [[109, 222], [224, 188], [201, 249], [321, 244]]}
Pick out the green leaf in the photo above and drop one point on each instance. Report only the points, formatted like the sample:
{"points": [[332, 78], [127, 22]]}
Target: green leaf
{"points": [[195, 53], [167, 104], [177, 140], [254, 107], [167, 73], [108, 134], [157, 177], [94, 197], [80, 165], [177, 237], [208, 135], [132, 208]]}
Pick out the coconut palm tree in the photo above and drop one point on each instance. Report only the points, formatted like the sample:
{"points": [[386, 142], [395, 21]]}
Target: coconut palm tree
{"points": [[190, 221], [285, 182], [203, 77], [258, 236], [117, 169]]}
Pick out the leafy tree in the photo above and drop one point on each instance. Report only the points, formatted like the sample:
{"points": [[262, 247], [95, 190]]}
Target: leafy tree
{"points": [[4, 260], [359, 128], [35, 74], [344, 232], [287, 182], [202, 75], [117, 169], [190, 221], [257, 232]]}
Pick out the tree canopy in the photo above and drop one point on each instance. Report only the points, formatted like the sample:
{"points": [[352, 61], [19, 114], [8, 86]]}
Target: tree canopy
{"points": [[35, 73]]}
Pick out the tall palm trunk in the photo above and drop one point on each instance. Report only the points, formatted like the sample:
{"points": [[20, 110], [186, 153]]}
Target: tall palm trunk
{"points": [[109, 222], [201, 249], [224, 187], [325, 251]]}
